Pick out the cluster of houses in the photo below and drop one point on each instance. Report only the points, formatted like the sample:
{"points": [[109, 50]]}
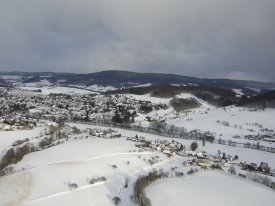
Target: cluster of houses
{"points": [[15, 103], [99, 132], [171, 148], [265, 137], [15, 122], [165, 146]]}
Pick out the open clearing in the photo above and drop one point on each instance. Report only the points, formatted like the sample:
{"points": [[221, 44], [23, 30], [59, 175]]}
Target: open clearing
{"points": [[16, 188], [209, 188]]}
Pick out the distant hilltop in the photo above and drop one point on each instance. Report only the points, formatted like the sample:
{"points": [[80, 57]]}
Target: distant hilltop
{"points": [[125, 79]]}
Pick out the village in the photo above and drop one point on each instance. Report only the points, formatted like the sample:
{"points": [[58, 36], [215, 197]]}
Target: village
{"points": [[23, 109]]}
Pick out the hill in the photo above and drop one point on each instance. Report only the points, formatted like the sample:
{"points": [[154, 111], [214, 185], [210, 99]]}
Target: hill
{"points": [[126, 79]]}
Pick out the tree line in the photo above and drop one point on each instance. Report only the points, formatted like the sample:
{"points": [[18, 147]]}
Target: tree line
{"points": [[138, 196], [260, 101]]}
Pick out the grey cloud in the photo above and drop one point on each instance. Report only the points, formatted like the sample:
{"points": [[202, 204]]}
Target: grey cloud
{"points": [[212, 39]]}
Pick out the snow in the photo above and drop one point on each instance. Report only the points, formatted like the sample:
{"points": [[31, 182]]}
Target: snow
{"points": [[101, 88], [42, 82], [209, 188], [143, 85], [10, 77], [254, 89], [238, 91], [65, 90], [42, 177], [205, 118], [52, 169], [8, 137]]}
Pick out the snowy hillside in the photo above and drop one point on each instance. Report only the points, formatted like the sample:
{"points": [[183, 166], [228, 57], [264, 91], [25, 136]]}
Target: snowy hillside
{"points": [[43, 177], [47, 173]]}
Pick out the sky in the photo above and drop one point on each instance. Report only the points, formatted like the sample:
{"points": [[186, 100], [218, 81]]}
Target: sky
{"points": [[207, 39]]}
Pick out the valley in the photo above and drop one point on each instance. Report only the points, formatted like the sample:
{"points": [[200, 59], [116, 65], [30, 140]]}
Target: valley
{"points": [[70, 146]]}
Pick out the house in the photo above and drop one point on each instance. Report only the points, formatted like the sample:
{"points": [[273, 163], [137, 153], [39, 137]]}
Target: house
{"points": [[227, 164], [188, 162], [169, 152], [268, 139], [202, 155], [272, 173], [7, 128], [142, 139], [264, 165], [205, 163], [213, 158]]}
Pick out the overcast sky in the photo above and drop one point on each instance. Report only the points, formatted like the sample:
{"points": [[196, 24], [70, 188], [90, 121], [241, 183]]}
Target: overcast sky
{"points": [[212, 39]]}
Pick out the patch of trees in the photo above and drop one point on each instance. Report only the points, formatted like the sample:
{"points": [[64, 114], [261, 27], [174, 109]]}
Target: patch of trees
{"points": [[180, 104], [203, 167], [214, 99], [210, 138], [140, 90], [216, 167], [37, 90], [139, 197], [146, 109], [116, 200], [14, 155], [45, 142], [261, 101], [164, 128], [33, 79], [160, 106], [76, 130], [18, 142], [194, 146], [163, 93], [225, 123], [179, 174], [192, 171], [96, 180], [117, 119], [218, 96], [127, 119], [17, 106], [232, 170], [73, 186], [9, 122], [260, 179], [154, 160]]}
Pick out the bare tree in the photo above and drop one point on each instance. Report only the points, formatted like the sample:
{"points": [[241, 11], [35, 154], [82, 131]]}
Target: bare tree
{"points": [[73, 186], [127, 180], [194, 146], [116, 200], [232, 170]]}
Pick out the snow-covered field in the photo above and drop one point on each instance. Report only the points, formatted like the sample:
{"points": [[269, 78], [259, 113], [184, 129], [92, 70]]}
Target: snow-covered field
{"points": [[101, 88], [44, 176], [65, 90], [7, 138], [209, 188]]}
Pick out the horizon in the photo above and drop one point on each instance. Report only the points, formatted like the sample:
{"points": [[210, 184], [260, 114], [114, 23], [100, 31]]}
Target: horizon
{"points": [[135, 72]]}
